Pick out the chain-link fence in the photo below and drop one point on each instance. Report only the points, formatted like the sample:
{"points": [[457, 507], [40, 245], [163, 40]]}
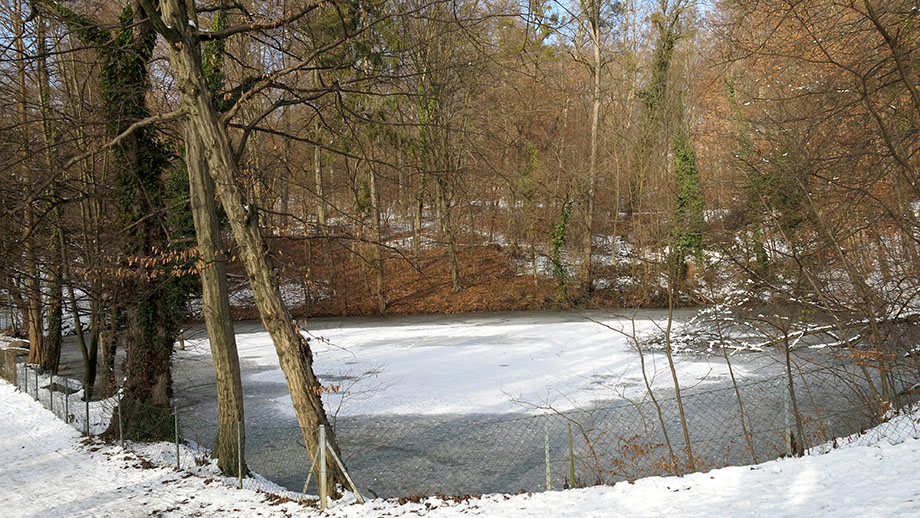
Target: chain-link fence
{"points": [[732, 424], [625, 440], [735, 423], [162, 436]]}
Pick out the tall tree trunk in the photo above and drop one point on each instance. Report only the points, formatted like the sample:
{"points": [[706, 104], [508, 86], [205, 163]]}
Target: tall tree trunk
{"points": [[215, 307], [229, 445], [55, 263], [284, 217], [35, 324], [588, 245], [318, 170], [419, 207], [155, 299], [293, 351]]}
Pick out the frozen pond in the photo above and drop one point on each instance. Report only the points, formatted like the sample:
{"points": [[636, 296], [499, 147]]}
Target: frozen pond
{"points": [[417, 396], [479, 363], [459, 404]]}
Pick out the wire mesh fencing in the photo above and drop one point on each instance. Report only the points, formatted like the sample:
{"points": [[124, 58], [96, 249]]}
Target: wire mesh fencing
{"points": [[62, 396], [625, 440], [754, 421], [731, 424]]}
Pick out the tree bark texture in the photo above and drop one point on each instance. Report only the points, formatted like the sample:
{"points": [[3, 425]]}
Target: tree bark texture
{"points": [[215, 306], [293, 351]]}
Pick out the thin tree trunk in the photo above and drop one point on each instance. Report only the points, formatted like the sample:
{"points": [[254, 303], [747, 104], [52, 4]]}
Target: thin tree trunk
{"points": [[55, 302], [417, 221], [379, 273], [691, 462], [448, 232], [588, 245], [284, 208], [318, 171]]}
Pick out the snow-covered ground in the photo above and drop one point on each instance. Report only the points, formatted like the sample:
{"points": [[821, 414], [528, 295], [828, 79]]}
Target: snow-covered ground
{"points": [[473, 364], [48, 471]]}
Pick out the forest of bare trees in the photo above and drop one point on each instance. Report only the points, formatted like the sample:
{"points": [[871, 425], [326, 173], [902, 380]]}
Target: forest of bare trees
{"points": [[355, 157]]}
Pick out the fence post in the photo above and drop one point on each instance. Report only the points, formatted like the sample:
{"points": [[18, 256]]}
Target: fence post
{"points": [[86, 401], [36, 384], [787, 411], [309, 474], [51, 394], [321, 440], [571, 457], [549, 484], [121, 437], [176, 422], [351, 482], [67, 404], [239, 452]]}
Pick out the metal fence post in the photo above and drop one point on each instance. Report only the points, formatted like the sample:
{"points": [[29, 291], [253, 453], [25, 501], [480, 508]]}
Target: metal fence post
{"points": [[67, 404], [36, 383], [341, 466], [86, 402], [176, 421], [321, 440], [239, 452], [51, 394], [571, 458], [787, 411], [121, 437], [549, 484]]}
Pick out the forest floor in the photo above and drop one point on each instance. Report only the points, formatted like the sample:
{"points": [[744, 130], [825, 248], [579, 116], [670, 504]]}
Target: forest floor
{"points": [[325, 278], [49, 470]]}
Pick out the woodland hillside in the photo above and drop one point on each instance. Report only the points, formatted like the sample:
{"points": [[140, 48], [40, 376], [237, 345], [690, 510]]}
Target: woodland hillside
{"points": [[170, 160]]}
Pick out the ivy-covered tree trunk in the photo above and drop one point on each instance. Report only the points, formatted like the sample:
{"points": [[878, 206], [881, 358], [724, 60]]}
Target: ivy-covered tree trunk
{"points": [[653, 131], [155, 300], [687, 230], [557, 248]]}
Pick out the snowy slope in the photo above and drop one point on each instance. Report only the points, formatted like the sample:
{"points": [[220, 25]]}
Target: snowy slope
{"points": [[46, 471]]}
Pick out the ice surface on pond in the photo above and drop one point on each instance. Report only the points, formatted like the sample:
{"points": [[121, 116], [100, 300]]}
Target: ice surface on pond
{"points": [[493, 363]]}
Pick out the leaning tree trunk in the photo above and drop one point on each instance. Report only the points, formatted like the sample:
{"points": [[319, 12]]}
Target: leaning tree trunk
{"points": [[293, 351], [215, 307]]}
